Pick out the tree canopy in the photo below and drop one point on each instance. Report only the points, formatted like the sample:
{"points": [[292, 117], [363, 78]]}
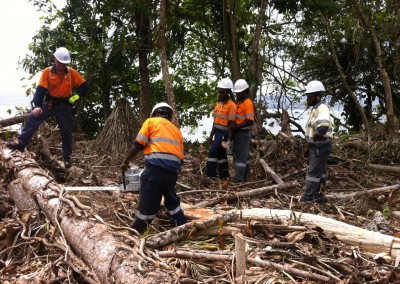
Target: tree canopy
{"points": [[277, 46]]}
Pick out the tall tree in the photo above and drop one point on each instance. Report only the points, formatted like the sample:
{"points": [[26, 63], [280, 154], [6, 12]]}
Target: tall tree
{"points": [[162, 46]]}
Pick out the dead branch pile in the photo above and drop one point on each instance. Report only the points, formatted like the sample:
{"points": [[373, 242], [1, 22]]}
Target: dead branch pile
{"points": [[119, 130]]}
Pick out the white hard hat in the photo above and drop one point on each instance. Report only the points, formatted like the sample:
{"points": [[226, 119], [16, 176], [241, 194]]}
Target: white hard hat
{"points": [[161, 105], [62, 55], [240, 86], [225, 83], [314, 86]]}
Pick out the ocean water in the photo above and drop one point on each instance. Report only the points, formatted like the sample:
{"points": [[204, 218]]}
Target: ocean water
{"points": [[12, 105]]}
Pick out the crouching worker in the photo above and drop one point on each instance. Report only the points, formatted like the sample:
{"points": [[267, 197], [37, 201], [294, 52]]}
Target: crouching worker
{"points": [[162, 145]]}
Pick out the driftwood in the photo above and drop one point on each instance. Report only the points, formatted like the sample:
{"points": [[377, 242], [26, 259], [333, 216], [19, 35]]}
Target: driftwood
{"points": [[384, 168], [178, 233], [250, 193], [369, 241], [13, 120], [358, 145], [111, 260], [373, 191], [270, 171]]}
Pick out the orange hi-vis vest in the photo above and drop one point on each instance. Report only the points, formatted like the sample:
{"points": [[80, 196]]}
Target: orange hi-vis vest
{"points": [[163, 143], [245, 110], [223, 113], [60, 87]]}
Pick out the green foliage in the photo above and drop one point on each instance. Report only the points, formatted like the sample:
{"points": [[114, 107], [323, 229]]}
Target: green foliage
{"points": [[386, 211], [293, 49]]}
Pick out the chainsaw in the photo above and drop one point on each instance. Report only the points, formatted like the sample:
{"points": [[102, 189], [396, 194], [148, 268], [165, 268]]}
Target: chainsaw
{"points": [[130, 183]]}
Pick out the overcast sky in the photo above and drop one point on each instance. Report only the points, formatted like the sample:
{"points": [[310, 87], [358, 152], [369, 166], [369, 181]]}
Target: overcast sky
{"points": [[19, 22]]}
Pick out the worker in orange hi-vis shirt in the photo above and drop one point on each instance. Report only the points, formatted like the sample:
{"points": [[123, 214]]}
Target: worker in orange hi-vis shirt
{"points": [[224, 114], [162, 145], [242, 128], [55, 96]]}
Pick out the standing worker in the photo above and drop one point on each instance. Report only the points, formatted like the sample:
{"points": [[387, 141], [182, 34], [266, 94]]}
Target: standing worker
{"points": [[224, 114], [162, 144], [318, 135], [54, 97], [242, 137]]}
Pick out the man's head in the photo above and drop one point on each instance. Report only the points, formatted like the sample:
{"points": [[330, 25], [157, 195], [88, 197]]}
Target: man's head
{"points": [[62, 55], [225, 87], [314, 91], [241, 89], [162, 110]]}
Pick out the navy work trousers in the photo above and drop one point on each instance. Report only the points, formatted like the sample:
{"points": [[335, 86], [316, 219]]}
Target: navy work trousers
{"points": [[156, 182], [65, 120], [316, 173], [241, 154], [217, 157]]}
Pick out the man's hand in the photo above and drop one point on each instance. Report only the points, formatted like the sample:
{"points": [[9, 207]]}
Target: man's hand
{"points": [[37, 111], [73, 98]]}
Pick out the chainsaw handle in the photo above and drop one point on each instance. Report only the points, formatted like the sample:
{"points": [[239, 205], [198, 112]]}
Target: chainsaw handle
{"points": [[124, 167], [123, 179]]}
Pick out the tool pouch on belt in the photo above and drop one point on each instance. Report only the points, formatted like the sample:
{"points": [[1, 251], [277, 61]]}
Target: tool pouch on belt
{"points": [[49, 104]]}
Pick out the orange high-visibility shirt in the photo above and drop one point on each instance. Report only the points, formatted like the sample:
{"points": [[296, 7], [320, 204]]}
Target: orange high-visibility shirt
{"points": [[60, 87], [223, 113], [163, 143], [245, 110]]}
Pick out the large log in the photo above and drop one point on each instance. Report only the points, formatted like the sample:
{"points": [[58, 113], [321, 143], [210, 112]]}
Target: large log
{"points": [[112, 260], [369, 241], [13, 120]]}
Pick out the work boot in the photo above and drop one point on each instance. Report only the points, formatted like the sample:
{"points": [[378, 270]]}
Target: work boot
{"points": [[15, 146], [67, 163]]}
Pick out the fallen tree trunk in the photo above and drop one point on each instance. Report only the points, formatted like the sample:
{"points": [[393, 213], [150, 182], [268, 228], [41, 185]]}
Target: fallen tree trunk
{"points": [[13, 120], [111, 260], [250, 193], [373, 242]]}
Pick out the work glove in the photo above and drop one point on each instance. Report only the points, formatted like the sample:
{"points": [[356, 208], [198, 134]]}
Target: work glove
{"points": [[229, 147], [73, 98]]}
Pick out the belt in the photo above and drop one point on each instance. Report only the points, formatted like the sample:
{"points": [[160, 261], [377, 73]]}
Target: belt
{"points": [[56, 103]]}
